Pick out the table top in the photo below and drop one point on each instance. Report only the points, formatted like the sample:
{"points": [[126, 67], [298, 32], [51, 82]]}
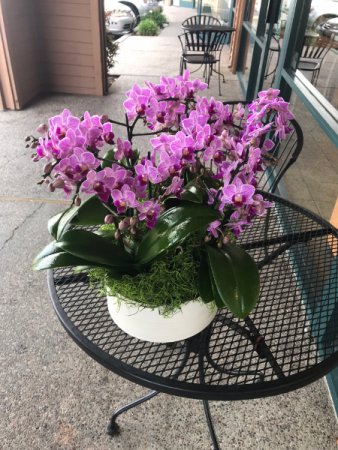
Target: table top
{"points": [[288, 341], [208, 28]]}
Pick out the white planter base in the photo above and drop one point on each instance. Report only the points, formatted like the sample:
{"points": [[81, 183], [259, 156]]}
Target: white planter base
{"points": [[149, 325]]}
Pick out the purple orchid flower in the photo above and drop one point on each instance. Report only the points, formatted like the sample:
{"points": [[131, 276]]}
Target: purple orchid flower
{"points": [[137, 102], [157, 111], [100, 183], [214, 152], [213, 228], [123, 150], [183, 147], [146, 172], [69, 143], [190, 124], [59, 125], [160, 144], [46, 149], [237, 227], [169, 85], [169, 166], [258, 206], [237, 193], [157, 91], [124, 198], [175, 187], [150, 210], [238, 112], [83, 161]]}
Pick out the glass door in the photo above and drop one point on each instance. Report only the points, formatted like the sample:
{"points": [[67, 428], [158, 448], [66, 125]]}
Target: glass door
{"points": [[259, 24]]}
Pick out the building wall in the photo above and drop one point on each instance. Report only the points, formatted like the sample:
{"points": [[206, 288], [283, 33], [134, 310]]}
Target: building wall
{"points": [[54, 46]]}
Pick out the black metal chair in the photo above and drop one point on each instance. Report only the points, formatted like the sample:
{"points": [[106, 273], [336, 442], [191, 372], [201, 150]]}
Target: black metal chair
{"points": [[313, 54], [286, 153], [201, 20], [202, 48]]}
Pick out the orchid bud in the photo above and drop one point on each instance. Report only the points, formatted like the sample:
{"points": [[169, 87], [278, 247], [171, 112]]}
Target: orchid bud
{"points": [[160, 198], [128, 241], [104, 118], [123, 225], [27, 138], [109, 219], [47, 168], [77, 201], [34, 145], [127, 220], [162, 208], [33, 155], [133, 230], [219, 245], [226, 240], [51, 188], [117, 235], [47, 181], [42, 128], [81, 118], [59, 184], [207, 239], [267, 163], [27, 146], [133, 221]]}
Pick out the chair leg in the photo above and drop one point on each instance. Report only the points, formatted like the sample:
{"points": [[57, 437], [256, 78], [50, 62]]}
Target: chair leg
{"points": [[219, 78], [181, 66]]}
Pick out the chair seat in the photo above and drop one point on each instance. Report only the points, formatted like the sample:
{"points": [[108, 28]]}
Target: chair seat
{"points": [[199, 59], [308, 65]]}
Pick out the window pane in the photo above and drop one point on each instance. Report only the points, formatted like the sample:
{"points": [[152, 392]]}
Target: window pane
{"points": [[252, 12], [318, 60], [219, 9]]}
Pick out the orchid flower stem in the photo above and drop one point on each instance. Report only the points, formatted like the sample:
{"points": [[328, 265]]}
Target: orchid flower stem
{"points": [[149, 184], [116, 162], [116, 123], [216, 198]]}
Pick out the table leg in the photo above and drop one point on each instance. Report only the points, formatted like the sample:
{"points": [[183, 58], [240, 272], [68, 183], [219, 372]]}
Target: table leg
{"points": [[112, 428], [210, 425]]}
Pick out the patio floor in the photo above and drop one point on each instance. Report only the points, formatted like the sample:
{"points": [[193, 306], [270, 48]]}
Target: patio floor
{"points": [[53, 396]]}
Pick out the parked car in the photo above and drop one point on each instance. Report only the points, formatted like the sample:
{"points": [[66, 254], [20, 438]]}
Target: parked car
{"points": [[123, 16], [321, 11], [329, 29]]}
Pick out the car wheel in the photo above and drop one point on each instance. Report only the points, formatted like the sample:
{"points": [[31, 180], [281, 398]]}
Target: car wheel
{"points": [[134, 9]]}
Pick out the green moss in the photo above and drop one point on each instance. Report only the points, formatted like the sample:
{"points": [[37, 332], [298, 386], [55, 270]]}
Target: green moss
{"points": [[169, 282]]}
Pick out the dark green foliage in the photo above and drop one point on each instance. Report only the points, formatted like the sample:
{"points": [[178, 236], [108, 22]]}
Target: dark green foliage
{"points": [[112, 48], [156, 17], [148, 28], [169, 282]]}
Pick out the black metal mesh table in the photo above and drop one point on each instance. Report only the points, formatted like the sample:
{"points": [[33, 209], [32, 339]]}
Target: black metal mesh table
{"points": [[288, 341]]}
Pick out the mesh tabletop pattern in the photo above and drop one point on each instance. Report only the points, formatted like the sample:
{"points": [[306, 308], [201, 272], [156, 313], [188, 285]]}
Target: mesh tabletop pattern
{"points": [[288, 341]]}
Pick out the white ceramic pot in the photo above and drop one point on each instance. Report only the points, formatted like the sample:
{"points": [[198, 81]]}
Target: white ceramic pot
{"points": [[149, 325]]}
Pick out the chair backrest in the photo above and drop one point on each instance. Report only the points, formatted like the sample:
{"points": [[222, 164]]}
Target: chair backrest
{"points": [[316, 48], [203, 41], [201, 20], [286, 151]]}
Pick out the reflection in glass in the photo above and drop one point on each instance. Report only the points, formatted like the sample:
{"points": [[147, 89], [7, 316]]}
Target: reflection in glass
{"points": [[219, 9], [247, 59], [319, 57]]}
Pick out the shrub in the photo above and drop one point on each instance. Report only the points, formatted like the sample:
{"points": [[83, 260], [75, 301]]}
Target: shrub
{"points": [[148, 27], [112, 48], [156, 17]]}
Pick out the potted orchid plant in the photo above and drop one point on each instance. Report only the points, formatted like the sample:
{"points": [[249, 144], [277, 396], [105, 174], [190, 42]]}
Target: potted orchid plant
{"points": [[158, 232]]}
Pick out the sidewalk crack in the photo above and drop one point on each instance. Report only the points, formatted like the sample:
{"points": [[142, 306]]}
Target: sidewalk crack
{"points": [[17, 227]]}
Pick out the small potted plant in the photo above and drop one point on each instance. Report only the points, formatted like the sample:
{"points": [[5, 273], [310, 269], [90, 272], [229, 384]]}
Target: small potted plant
{"points": [[164, 248]]}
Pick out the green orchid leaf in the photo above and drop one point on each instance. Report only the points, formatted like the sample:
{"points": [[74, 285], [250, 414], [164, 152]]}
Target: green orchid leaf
{"points": [[236, 278], [171, 202], [91, 247], [193, 192], [204, 284], [190, 176], [216, 296], [211, 182], [50, 249], [53, 223], [109, 156], [130, 246], [91, 212], [65, 220], [55, 260], [172, 228], [106, 234]]}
